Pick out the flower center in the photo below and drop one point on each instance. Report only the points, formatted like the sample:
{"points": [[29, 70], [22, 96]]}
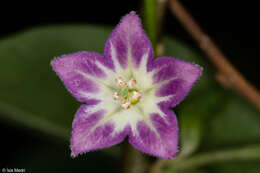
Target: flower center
{"points": [[127, 94]]}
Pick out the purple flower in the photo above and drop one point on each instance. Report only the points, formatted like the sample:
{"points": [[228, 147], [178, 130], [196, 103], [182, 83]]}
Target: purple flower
{"points": [[126, 93]]}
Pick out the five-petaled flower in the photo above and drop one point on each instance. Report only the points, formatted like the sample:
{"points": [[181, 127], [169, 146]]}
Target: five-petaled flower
{"points": [[126, 93]]}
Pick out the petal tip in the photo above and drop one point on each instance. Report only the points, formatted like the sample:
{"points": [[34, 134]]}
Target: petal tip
{"points": [[54, 62], [131, 19], [198, 71], [128, 36], [199, 68], [132, 13]]}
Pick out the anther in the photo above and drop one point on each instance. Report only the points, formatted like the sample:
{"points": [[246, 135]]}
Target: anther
{"points": [[131, 83], [116, 96], [120, 81], [126, 104], [136, 95]]}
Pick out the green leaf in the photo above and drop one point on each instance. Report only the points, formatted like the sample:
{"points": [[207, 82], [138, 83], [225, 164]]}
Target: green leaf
{"points": [[194, 113], [239, 154], [248, 166], [31, 93], [238, 123]]}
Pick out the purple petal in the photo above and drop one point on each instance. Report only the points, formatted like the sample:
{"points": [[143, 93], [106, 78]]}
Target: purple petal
{"points": [[159, 137], [90, 131], [80, 72], [128, 43], [175, 77]]}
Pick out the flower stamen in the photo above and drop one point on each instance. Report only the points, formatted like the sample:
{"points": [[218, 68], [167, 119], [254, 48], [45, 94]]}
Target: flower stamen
{"points": [[116, 96], [131, 83], [128, 94], [126, 104], [136, 95], [120, 82]]}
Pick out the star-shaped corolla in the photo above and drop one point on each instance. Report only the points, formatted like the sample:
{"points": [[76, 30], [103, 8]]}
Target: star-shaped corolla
{"points": [[126, 93]]}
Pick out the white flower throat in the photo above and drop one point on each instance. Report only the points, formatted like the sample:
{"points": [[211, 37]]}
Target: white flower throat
{"points": [[128, 94]]}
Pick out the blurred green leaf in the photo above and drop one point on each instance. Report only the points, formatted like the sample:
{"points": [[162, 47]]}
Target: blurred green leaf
{"points": [[194, 113], [31, 93], [190, 131], [239, 154], [237, 123], [248, 166]]}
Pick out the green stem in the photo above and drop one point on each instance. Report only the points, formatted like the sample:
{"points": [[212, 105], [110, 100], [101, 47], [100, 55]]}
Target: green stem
{"points": [[134, 161], [246, 153], [150, 20]]}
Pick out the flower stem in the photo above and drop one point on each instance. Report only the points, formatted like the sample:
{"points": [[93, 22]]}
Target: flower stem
{"points": [[150, 20], [134, 161]]}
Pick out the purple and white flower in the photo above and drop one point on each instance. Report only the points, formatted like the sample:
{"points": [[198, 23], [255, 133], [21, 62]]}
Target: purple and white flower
{"points": [[126, 93]]}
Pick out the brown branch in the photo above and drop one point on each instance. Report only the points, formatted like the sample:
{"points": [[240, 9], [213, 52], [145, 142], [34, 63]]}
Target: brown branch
{"points": [[227, 75], [154, 169]]}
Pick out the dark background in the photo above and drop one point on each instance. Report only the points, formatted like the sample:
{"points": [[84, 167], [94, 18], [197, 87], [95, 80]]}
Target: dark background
{"points": [[231, 24]]}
